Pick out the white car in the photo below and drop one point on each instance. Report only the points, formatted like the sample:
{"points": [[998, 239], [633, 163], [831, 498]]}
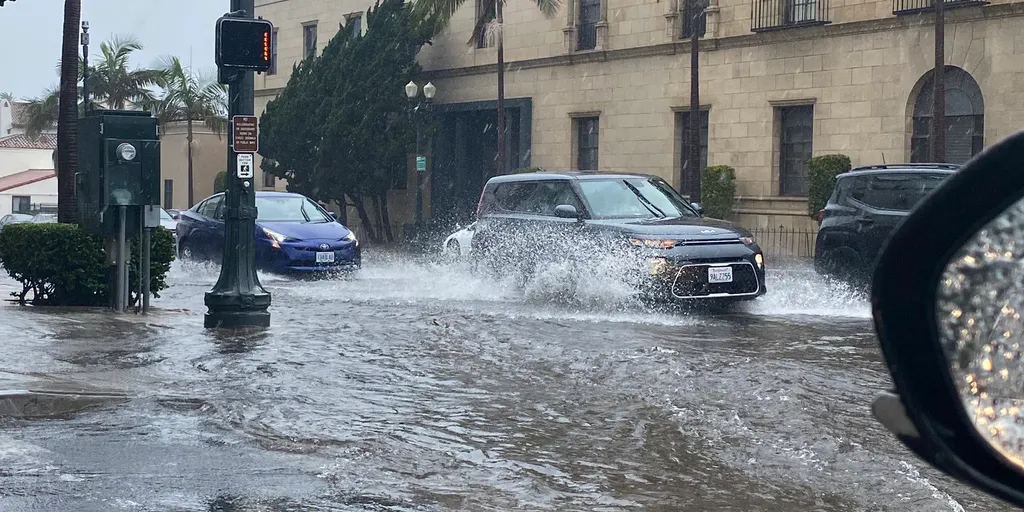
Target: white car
{"points": [[458, 242]]}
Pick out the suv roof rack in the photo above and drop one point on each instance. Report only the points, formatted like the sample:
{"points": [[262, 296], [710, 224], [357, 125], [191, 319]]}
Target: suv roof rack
{"points": [[906, 166]]}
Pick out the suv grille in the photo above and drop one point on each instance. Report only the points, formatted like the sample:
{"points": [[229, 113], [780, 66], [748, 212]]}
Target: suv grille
{"points": [[692, 282]]}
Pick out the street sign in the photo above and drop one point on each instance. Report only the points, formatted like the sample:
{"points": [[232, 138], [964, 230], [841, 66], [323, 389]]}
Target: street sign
{"points": [[245, 165], [421, 164], [246, 137]]}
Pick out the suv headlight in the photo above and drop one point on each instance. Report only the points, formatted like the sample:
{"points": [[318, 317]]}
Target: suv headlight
{"points": [[654, 244]]}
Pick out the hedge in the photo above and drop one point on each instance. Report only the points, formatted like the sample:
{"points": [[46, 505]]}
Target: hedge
{"points": [[62, 265], [220, 182], [718, 191], [821, 176]]}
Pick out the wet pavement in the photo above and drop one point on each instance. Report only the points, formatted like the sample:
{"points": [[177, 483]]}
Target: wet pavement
{"points": [[415, 386]]}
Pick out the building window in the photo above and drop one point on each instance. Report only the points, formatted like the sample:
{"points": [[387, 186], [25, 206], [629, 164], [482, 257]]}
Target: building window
{"points": [[797, 130], [587, 131], [694, 18], [590, 16], [273, 53], [309, 40], [688, 177], [269, 180], [779, 14], [965, 118], [168, 194], [21, 204], [357, 20], [485, 15]]}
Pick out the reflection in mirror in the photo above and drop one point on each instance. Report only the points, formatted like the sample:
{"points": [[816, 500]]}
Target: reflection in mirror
{"points": [[980, 300]]}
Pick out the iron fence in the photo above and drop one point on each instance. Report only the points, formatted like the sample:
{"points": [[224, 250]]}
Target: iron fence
{"points": [[916, 6], [783, 242]]}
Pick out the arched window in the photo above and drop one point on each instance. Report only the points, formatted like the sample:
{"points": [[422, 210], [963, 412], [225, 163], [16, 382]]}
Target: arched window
{"points": [[965, 118]]}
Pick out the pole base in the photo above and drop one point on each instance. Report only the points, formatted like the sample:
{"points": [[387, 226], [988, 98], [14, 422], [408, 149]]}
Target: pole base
{"points": [[236, 319]]}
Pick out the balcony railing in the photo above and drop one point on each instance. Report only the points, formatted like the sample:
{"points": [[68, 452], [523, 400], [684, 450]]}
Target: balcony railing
{"points": [[918, 6], [781, 14]]}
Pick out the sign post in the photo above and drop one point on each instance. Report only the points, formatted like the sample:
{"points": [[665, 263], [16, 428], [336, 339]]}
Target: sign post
{"points": [[243, 46]]}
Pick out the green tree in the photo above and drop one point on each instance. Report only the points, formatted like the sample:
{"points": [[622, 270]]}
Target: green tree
{"points": [[490, 24], [41, 113], [351, 95], [67, 119], [190, 97]]}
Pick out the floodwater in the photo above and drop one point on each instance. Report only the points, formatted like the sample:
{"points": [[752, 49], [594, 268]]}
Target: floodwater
{"points": [[417, 386]]}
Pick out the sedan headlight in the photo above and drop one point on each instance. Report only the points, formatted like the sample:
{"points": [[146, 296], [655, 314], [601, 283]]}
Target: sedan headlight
{"points": [[654, 244], [351, 237], [275, 237]]}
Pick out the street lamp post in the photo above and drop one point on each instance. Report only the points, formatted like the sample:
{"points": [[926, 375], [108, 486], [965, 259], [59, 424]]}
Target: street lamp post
{"points": [[419, 110], [85, 65]]}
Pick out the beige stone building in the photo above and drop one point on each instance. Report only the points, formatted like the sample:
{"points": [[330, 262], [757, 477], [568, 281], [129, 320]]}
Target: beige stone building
{"points": [[209, 154], [605, 85]]}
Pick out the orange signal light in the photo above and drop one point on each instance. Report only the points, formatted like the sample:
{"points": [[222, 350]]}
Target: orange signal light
{"points": [[266, 46]]}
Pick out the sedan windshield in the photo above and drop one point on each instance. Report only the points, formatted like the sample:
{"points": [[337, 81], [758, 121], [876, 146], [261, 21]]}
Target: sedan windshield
{"points": [[289, 209], [633, 198]]}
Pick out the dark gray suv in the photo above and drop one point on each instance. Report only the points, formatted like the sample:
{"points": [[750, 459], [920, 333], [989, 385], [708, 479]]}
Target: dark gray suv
{"points": [[865, 207]]}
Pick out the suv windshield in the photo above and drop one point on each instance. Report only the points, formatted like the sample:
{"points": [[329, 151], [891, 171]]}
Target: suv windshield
{"points": [[288, 209], [633, 198]]}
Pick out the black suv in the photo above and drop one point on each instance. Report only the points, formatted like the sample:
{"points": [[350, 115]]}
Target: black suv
{"points": [[582, 218], [865, 207]]}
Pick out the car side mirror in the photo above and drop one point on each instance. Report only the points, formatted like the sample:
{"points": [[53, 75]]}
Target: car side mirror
{"points": [[951, 328], [567, 211], [697, 207]]}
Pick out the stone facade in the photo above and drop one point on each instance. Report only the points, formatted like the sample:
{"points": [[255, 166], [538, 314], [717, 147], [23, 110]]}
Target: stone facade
{"points": [[861, 73]]}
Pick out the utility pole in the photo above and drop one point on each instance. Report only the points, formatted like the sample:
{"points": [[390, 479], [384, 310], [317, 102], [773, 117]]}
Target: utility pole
{"points": [[238, 299], [85, 66], [938, 128], [694, 143]]}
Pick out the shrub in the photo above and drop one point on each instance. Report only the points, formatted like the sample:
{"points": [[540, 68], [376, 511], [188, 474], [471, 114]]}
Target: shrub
{"points": [[821, 176], [62, 265], [220, 182], [718, 191]]}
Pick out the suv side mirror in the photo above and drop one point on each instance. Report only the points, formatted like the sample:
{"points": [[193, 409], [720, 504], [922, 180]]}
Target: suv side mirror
{"points": [[567, 211], [698, 207]]}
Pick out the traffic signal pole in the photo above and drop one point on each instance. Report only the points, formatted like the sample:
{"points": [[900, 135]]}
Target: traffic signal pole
{"points": [[238, 299]]}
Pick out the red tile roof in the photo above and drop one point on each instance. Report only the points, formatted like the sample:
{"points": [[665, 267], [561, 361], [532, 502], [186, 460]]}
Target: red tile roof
{"points": [[18, 113], [22, 141], [20, 179]]}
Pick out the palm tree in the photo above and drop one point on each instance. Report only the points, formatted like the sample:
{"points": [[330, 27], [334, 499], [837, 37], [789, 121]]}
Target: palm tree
{"points": [[7, 96], [41, 113], [112, 83], [67, 119], [190, 97], [490, 22]]}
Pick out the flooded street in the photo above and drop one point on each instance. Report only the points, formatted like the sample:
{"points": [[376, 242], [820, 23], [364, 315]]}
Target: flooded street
{"points": [[415, 386]]}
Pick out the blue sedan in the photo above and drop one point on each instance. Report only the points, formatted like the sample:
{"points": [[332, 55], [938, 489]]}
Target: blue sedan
{"points": [[293, 234]]}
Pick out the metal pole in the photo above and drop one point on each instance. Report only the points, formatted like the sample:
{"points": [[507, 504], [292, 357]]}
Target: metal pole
{"points": [[122, 265], [501, 86], [146, 263], [85, 65], [419, 173], [238, 299], [694, 143], [938, 128]]}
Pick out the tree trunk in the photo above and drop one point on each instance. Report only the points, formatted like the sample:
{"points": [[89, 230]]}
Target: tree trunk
{"points": [[386, 218], [501, 88], [342, 210], [191, 185], [67, 122], [377, 216], [364, 218]]}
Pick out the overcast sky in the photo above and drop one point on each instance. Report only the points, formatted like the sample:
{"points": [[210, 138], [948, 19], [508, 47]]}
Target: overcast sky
{"points": [[30, 35]]}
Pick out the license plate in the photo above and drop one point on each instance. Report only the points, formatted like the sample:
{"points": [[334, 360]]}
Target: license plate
{"points": [[720, 274], [328, 257]]}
